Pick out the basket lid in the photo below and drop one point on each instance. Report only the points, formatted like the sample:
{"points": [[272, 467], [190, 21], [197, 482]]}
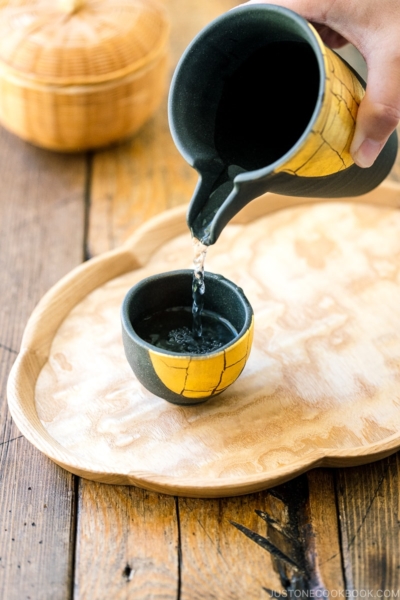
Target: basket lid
{"points": [[80, 41]]}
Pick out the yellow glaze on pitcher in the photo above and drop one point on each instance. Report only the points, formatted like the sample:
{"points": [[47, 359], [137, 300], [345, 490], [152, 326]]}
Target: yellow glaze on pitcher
{"points": [[203, 376], [326, 149]]}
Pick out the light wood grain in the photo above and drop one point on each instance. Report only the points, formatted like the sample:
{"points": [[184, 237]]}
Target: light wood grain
{"points": [[309, 367], [81, 75], [41, 232]]}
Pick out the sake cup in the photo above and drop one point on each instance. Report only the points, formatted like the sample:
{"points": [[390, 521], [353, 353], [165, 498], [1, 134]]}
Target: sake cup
{"points": [[186, 378]]}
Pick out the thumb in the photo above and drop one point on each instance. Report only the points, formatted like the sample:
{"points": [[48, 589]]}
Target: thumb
{"points": [[379, 111]]}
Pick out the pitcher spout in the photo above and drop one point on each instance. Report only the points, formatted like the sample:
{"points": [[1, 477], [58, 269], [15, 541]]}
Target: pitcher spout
{"points": [[217, 199]]}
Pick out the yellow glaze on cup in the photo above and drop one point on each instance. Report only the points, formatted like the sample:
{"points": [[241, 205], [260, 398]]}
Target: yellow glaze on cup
{"points": [[326, 149], [203, 376]]}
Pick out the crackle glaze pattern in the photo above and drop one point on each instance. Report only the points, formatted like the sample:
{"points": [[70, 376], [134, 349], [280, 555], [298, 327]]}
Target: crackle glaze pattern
{"points": [[322, 378], [199, 376], [327, 148]]}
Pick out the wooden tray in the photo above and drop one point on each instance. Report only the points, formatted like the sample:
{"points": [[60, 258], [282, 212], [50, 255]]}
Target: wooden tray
{"points": [[321, 387]]}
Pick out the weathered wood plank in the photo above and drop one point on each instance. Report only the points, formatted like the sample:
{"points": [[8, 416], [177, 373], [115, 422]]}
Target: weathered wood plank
{"points": [[37, 525], [127, 546], [41, 232], [369, 503], [324, 536], [138, 544], [302, 535], [218, 562]]}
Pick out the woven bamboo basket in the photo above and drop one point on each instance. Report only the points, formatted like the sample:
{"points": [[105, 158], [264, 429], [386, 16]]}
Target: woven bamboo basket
{"points": [[78, 74]]}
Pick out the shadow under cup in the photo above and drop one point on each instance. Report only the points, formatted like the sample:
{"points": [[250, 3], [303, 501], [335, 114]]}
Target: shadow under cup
{"points": [[186, 378]]}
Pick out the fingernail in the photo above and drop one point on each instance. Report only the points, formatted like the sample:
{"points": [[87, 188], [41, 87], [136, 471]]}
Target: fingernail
{"points": [[366, 154]]}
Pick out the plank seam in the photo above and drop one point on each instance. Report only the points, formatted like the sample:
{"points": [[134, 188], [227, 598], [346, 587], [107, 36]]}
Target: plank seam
{"points": [[87, 200], [376, 492], [179, 549], [340, 534], [74, 534]]}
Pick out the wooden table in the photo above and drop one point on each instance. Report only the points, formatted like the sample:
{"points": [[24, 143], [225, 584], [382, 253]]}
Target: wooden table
{"points": [[63, 537]]}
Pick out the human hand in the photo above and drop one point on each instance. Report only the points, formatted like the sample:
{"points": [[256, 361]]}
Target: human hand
{"points": [[374, 29]]}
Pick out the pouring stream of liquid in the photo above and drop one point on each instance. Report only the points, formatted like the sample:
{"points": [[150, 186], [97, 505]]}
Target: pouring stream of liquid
{"points": [[198, 287]]}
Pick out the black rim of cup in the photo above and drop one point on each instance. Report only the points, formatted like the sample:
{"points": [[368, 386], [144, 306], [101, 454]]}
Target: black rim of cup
{"points": [[172, 289]]}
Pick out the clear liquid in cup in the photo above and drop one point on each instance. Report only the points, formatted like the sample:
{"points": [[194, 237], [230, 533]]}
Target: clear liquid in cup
{"points": [[171, 329]]}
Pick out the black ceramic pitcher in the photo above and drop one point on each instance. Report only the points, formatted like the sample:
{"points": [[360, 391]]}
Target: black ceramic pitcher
{"points": [[258, 103]]}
